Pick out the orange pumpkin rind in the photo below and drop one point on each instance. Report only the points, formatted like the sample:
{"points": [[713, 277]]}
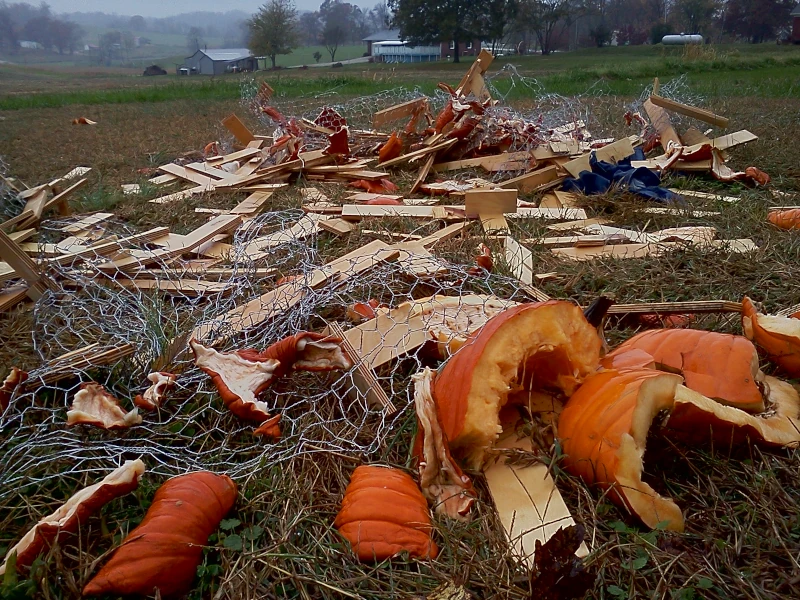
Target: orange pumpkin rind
{"points": [[163, 552], [778, 336], [603, 430], [539, 346], [161, 382], [10, 385], [74, 512], [785, 219], [718, 365], [376, 533], [93, 405], [442, 481]]}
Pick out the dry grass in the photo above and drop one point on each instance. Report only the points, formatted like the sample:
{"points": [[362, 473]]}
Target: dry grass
{"points": [[741, 504]]}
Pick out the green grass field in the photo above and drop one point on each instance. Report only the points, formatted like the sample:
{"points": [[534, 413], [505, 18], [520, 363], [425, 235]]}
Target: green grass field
{"points": [[741, 502]]}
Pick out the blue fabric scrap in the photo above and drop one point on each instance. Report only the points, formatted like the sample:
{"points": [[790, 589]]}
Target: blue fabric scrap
{"points": [[640, 180]]}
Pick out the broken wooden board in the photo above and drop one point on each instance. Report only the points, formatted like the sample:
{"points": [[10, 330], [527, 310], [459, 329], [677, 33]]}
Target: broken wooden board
{"points": [[355, 212], [528, 502], [671, 308], [388, 336], [73, 362], [108, 248], [690, 111], [399, 111], [12, 296], [547, 213], [704, 195], [367, 196], [472, 84], [490, 202], [423, 173], [444, 234], [189, 175], [261, 247], [337, 226], [579, 224], [662, 124], [665, 210], [182, 195], [493, 224], [740, 246], [732, 140], [636, 237], [238, 129], [86, 223], [239, 155], [283, 297], [520, 262], [191, 288], [495, 162], [540, 179], [22, 266], [578, 240], [363, 379]]}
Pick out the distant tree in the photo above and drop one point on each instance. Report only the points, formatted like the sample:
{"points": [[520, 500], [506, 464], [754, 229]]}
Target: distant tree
{"points": [[273, 29], [317, 55], [600, 34], [697, 15], [66, 35], [194, 40], [38, 29], [137, 23], [310, 28], [499, 14], [659, 30], [757, 20], [128, 42], [336, 20], [380, 16], [8, 32], [110, 47], [547, 19], [426, 22]]}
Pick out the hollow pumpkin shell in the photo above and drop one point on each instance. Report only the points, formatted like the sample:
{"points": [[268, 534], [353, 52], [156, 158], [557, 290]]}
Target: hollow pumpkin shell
{"points": [[603, 431], [785, 219], [778, 336], [384, 513], [718, 365], [547, 345], [163, 552]]}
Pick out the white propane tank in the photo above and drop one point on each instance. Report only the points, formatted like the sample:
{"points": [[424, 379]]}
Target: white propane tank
{"points": [[682, 39]]}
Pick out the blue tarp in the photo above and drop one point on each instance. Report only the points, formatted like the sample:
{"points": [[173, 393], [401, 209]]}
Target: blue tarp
{"points": [[640, 180]]}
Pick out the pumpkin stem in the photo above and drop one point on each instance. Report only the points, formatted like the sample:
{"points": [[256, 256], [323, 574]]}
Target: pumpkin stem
{"points": [[598, 310]]}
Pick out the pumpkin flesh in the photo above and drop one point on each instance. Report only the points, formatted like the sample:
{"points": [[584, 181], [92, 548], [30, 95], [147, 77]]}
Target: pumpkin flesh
{"points": [[547, 346], [384, 513], [603, 431], [163, 552], [718, 365], [74, 512], [93, 405], [778, 336]]}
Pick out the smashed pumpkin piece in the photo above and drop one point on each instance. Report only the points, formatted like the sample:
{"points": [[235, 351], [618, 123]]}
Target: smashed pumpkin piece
{"points": [[10, 384], [718, 365], [785, 219], [380, 186], [74, 513], [603, 431], [442, 481], [163, 552], [93, 405], [698, 417], [633, 358], [539, 346], [376, 533], [338, 142], [242, 375], [778, 336], [153, 397], [391, 149]]}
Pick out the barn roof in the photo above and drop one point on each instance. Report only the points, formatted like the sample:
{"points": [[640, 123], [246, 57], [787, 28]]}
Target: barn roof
{"points": [[384, 35], [796, 11], [227, 54]]}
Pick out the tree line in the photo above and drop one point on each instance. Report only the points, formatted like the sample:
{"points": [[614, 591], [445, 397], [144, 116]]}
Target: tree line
{"points": [[23, 22]]}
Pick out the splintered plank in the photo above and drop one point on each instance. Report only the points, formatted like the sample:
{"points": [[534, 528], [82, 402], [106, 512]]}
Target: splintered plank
{"points": [[490, 202], [184, 244], [417, 261], [528, 502], [615, 152], [283, 297], [367, 196], [535, 180], [364, 383], [520, 262], [12, 296], [444, 234], [86, 223], [579, 224], [662, 124], [399, 111], [355, 212], [239, 155], [388, 336], [690, 111], [547, 213], [577, 165], [472, 84], [496, 162], [741, 246], [666, 210], [14, 221], [337, 226], [191, 288], [188, 175], [307, 226], [182, 195], [22, 266], [704, 195], [70, 363], [423, 173], [108, 248], [238, 129], [671, 308], [732, 140]]}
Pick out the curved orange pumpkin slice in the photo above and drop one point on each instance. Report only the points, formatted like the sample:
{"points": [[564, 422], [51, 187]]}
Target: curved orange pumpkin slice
{"points": [[718, 365], [700, 417], [785, 219], [75, 512], [540, 346], [778, 336], [603, 430], [376, 533]]}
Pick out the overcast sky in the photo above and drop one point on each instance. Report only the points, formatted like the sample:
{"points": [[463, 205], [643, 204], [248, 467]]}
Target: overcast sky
{"points": [[165, 8]]}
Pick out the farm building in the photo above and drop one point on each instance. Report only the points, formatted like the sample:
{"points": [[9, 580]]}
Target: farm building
{"points": [[387, 46], [796, 24], [219, 61]]}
